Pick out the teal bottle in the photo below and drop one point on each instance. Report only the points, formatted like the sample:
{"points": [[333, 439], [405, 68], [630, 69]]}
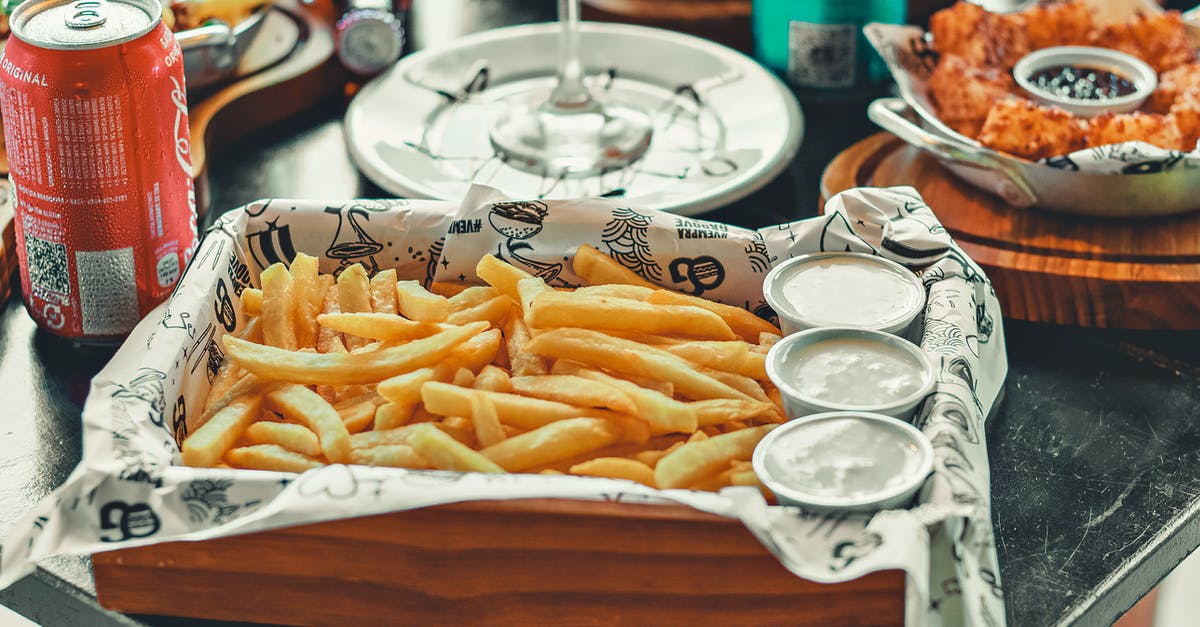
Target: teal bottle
{"points": [[818, 45]]}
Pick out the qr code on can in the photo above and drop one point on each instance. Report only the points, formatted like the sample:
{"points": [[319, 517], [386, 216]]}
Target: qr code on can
{"points": [[822, 55], [47, 262]]}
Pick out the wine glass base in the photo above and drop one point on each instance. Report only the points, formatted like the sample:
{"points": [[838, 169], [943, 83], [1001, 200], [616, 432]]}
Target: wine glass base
{"points": [[561, 142]]}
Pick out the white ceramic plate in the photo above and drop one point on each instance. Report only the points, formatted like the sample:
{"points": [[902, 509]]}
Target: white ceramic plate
{"points": [[724, 125]]}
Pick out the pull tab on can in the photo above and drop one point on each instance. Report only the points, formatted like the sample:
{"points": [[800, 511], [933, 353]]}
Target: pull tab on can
{"points": [[87, 13]]}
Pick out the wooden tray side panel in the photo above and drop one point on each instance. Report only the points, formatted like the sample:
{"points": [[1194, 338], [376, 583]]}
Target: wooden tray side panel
{"points": [[517, 562]]}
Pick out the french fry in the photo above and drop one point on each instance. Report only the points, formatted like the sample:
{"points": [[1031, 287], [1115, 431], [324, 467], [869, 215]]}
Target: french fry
{"points": [[246, 385], [347, 369], [253, 331], [270, 457], [388, 327], [227, 375], [500, 275], [616, 290], [741, 383], [574, 390], [252, 301], [528, 413], [326, 335], [493, 379], [463, 378], [446, 288], [446, 453], [472, 296], [417, 303], [299, 403], [205, 446], [278, 326], [392, 415], [597, 349], [766, 340], [695, 460], [713, 482], [293, 437], [458, 428], [735, 357], [723, 410], [616, 468], [357, 413], [527, 290], [651, 457], [745, 324], [550, 309], [472, 355], [486, 420], [555, 441], [598, 268], [381, 437], [698, 436], [662, 412], [522, 362], [308, 293], [493, 310], [633, 429], [383, 292], [394, 455], [354, 295]]}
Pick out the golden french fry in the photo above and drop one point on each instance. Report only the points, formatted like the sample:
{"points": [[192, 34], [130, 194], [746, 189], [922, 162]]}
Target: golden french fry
{"points": [[270, 457], [246, 385], [442, 288], [551, 309], [616, 468], [354, 295], [698, 436], [381, 437], [447, 453], [205, 446], [463, 378], [741, 383], [486, 420], [458, 428], [347, 369], [574, 390], [494, 310], [616, 290], [722, 410], [766, 340], [523, 363], [493, 379], [393, 455], [555, 441], [696, 460], [598, 268], [299, 403], [501, 275], [253, 331], [388, 327], [745, 324], [357, 415], [293, 437], [227, 375], [392, 415], [525, 412], [736, 357], [472, 296], [651, 457], [633, 428], [383, 292], [417, 303], [713, 482], [252, 299], [663, 413], [597, 349], [325, 335], [308, 293], [278, 326], [527, 290], [471, 355]]}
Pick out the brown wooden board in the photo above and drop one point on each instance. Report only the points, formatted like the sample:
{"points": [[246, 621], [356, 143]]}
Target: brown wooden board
{"points": [[1047, 267], [535, 561]]}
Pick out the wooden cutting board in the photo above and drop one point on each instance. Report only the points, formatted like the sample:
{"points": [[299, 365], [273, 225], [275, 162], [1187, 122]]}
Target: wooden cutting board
{"points": [[1047, 267]]}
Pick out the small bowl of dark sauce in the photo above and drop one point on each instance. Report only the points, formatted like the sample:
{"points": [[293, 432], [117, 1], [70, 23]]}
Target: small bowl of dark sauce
{"points": [[1086, 81]]}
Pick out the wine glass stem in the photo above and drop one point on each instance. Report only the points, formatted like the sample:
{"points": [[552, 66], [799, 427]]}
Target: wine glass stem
{"points": [[570, 92]]}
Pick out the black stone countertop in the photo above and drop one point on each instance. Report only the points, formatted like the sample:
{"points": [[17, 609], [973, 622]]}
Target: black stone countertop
{"points": [[1094, 448]]}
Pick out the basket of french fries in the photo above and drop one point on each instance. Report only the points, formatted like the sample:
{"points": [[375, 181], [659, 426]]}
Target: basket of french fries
{"points": [[331, 361]]}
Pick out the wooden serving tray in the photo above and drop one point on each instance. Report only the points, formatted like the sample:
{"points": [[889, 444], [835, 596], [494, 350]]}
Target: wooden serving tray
{"points": [[1047, 267], [534, 561]]}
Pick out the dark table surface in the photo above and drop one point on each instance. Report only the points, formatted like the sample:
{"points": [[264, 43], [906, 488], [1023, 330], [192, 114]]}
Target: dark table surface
{"points": [[1094, 450]]}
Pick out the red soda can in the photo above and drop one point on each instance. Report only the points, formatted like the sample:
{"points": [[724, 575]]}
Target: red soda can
{"points": [[96, 126]]}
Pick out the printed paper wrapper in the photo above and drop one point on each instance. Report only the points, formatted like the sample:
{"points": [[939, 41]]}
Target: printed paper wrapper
{"points": [[128, 490], [912, 59]]}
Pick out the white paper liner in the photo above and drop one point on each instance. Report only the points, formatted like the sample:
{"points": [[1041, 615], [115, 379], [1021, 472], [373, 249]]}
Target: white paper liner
{"points": [[127, 490], [912, 59]]}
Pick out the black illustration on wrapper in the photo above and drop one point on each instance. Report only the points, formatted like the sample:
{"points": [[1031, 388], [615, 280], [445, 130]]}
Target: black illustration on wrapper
{"points": [[207, 501], [121, 521], [271, 245], [520, 222], [351, 243], [626, 236], [700, 274]]}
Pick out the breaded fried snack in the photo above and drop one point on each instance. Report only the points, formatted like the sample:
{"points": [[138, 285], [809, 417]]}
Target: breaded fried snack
{"points": [[982, 39], [1185, 117], [1059, 24], [1024, 129], [1171, 85], [1159, 40], [964, 94], [1152, 128]]}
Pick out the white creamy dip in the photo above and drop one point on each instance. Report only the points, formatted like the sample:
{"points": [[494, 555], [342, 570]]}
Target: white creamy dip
{"points": [[842, 457], [850, 291], [854, 372]]}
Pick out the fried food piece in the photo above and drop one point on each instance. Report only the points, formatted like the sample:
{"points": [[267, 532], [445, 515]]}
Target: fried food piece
{"points": [[1160, 40], [1185, 116], [1059, 24], [979, 37], [1172, 85], [964, 94], [1152, 128], [1024, 129]]}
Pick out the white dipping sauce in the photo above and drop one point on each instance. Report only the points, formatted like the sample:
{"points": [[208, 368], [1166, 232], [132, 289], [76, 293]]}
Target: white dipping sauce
{"points": [[850, 291], [842, 457], [854, 372]]}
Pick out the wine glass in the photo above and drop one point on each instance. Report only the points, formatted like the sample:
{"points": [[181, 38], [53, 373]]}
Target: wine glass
{"points": [[571, 133]]}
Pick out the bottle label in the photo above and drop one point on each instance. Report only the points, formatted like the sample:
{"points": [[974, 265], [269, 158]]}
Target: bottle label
{"points": [[822, 55]]}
